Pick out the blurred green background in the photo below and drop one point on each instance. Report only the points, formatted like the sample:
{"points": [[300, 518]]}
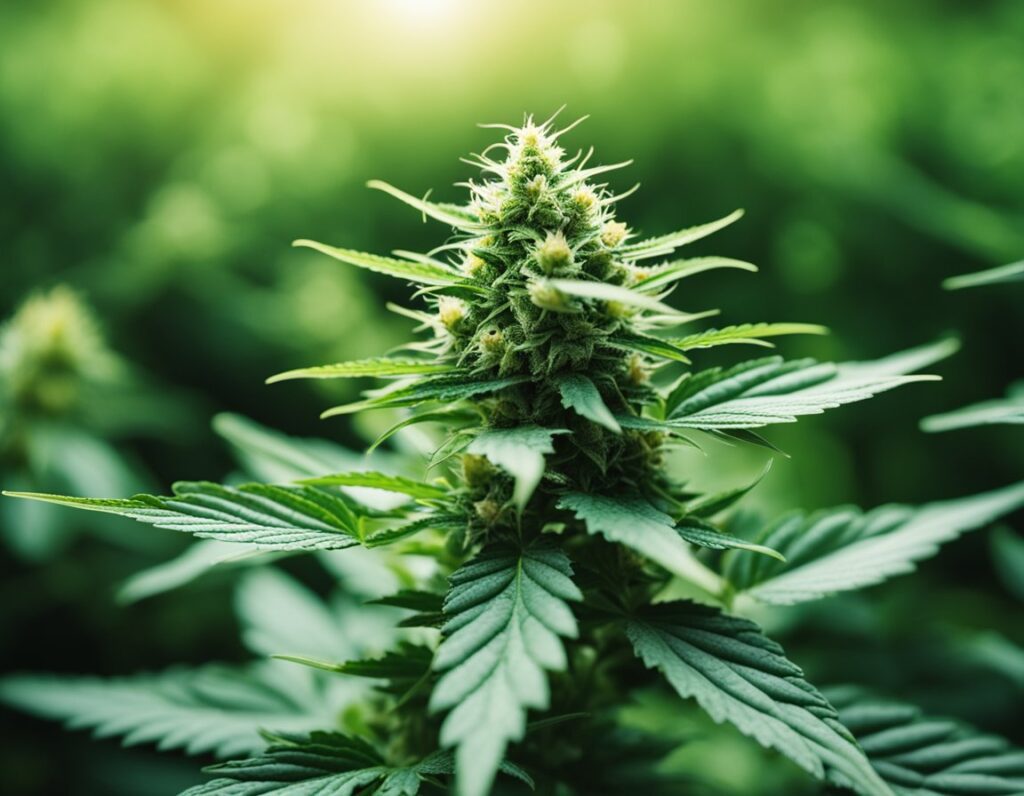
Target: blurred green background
{"points": [[158, 156]]}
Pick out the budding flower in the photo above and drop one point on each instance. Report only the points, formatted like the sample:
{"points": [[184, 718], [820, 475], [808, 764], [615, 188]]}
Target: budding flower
{"points": [[450, 311], [637, 371], [548, 297], [585, 200], [613, 233], [472, 265], [492, 342], [554, 253]]}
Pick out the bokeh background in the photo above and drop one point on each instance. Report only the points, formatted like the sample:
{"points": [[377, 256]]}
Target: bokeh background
{"points": [[158, 156]]}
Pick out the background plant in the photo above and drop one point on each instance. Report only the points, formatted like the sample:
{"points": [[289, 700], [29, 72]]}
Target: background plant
{"points": [[564, 540]]}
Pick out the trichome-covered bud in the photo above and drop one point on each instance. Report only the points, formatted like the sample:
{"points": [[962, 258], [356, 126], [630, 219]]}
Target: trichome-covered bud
{"points": [[548, 297], [613, 233], [637, 371], [451, 312], [492, 342], [554, 255], [473, 265]]}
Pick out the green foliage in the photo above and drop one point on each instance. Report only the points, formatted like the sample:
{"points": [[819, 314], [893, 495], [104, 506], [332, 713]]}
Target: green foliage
{"points": [[842, 549], [506, 612], [545, 533], [738, 675], [212, 709], [918, 754], [1009, 410]]}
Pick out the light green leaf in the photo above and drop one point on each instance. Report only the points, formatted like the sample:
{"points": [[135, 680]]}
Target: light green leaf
{"points": [[765, 391], [581, 395], [1014, 272], [664, 275], [702, 535], [921, 755], [452, 215], [438, 388], [666, 244], [269, 455], [268, 516], [633, 522], [212, 709], [389, 483], [738, 675], [376, 366], [645, 344], [198, 558], [1008, 410], [421, 273], [506, 611], [749, 333], [842, 549], [519, 452], [602, 291]]}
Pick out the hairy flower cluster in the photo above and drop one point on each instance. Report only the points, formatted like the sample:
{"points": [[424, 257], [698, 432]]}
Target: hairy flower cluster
{"points": [[543, 220]]}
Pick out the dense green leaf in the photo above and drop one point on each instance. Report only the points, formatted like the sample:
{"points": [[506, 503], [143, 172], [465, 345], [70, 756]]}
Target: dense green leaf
{"points": [[738, 675], [765, 391], [1014, 272], [377, 366], [919, 755], [453, 215], [518, 451], [389, 483], [1008, 410], [269, 516], [439, 388], [645, 344], [506, 611], [321, 763], [634, 522], [422, 273], [211, 709], [582, 396], [842, 549], [664, 275], [749, 333], [663, 245]]}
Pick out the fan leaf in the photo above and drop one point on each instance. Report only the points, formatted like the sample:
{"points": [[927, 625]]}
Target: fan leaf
{"points": [[738, 675], [843, 549], [506, 612]]}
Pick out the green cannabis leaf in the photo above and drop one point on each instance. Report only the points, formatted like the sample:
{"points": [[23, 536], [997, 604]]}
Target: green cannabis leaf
{"points": [[740, 676], [211, 709], [506, 612], [843, 549], [919, 754]]}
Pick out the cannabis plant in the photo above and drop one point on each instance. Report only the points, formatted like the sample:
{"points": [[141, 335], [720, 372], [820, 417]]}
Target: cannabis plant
{"points": [[559, 538], [59, 381]]}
